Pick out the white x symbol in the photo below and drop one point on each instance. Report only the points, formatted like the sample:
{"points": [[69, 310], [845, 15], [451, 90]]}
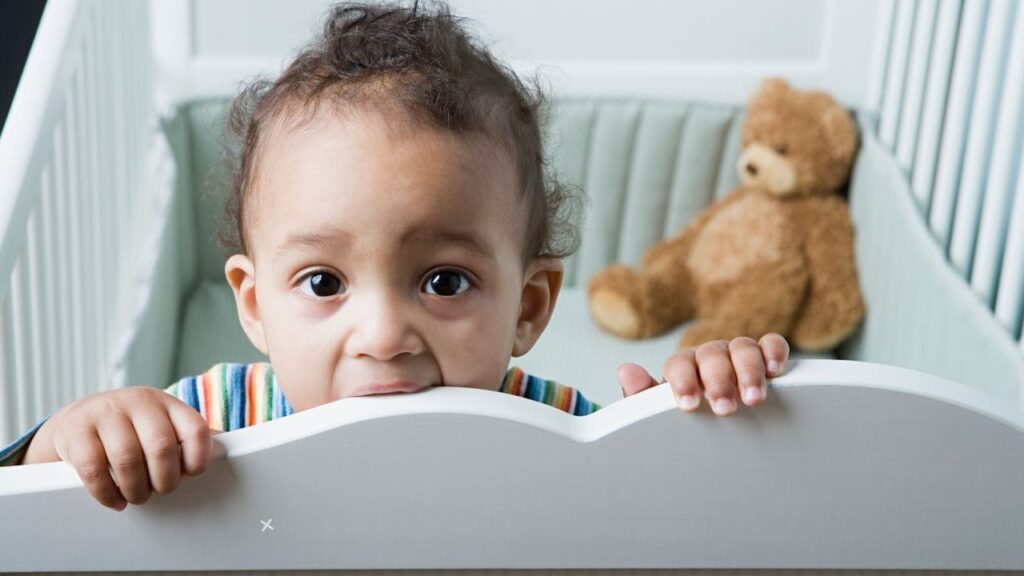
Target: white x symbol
{"points": [[266, 524]]}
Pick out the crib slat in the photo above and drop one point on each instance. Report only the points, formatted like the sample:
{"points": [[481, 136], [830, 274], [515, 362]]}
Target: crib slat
{"points": [[897, 70], [910, 117], [136, 70], [119, 134], [61, 165], [1010, 299], [935, 101], [73, 190], [9, 424], [48, 287], [886, 28], [1002, 172], [84, 194], [22, 381], [979, 142], [96, 269], [954, 130], [34, 257]]}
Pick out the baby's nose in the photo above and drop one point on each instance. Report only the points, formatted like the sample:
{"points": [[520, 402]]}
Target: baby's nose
{"points": [[751, 169], [383, 332]]}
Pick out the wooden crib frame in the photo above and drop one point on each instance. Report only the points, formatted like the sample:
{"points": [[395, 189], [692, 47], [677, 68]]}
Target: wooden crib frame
{"points": [[848, 464]]}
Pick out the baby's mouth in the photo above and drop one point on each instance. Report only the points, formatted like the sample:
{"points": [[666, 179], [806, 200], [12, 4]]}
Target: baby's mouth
{"points": [[391, 387]]}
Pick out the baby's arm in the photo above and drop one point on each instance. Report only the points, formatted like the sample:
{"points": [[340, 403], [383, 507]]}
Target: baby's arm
{"points": [[719, 367]]}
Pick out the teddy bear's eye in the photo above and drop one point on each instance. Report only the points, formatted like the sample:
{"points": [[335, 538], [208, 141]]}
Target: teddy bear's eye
{"points": [[781, 149]]}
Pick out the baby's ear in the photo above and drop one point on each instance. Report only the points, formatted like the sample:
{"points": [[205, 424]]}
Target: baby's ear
{"points": [[543, 281], [240, 273]]}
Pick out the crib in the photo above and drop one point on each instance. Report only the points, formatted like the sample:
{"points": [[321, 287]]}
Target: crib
{"points": [[900, 451]]}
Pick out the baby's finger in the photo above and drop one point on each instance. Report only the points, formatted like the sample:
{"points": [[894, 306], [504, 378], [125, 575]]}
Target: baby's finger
{"points": [[128, 461], [194, 435], [749, 367], [160, 446], [87, 456], [775, 350], [634, 378], [681, 372], [717, 375]]}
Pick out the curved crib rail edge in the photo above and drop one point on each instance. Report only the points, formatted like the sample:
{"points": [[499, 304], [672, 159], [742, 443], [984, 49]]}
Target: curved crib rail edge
{"points": [[801, 374], [842, 462]]}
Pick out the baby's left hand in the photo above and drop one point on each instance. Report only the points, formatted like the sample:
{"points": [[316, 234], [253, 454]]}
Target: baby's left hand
{"points": [[719, 367]]}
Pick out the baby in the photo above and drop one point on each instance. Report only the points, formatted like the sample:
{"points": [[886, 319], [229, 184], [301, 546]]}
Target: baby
{"points": [[395, 229]]}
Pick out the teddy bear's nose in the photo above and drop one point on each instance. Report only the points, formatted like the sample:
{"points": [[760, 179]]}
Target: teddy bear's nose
{"points": [[751, 169]]}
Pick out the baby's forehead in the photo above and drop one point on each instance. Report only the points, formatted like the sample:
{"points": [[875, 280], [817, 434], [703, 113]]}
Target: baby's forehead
{"points": [[364, 171]]}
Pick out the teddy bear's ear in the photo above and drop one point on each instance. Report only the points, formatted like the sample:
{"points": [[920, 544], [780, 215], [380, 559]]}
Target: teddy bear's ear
{"points": [[772, 87], [840, 132]]}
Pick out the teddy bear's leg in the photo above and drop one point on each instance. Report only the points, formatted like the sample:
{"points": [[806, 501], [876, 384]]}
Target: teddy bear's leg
{"points": [[766, 298], [630, 304]]}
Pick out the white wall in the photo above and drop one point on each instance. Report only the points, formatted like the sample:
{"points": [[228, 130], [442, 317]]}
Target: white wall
{"points": [[712, 50]]}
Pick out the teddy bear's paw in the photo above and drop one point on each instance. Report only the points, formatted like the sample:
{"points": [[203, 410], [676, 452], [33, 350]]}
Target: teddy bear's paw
{"points": [[615, 314], [615, 303], [817, 340]]}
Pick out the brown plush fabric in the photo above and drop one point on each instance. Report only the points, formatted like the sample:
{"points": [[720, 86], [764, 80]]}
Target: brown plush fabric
{"points": [[775, 255]]}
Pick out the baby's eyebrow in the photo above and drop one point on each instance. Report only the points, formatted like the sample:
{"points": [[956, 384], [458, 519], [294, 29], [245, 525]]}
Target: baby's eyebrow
{"points": [[315, 239], [325, 241], [443, 236]]}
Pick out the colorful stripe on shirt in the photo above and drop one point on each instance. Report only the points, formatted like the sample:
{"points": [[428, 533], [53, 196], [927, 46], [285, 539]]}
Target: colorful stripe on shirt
{"points": [[232, 395], [565, 398]]}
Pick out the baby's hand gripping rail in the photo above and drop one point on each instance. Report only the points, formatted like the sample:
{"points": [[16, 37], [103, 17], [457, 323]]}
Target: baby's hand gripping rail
{"points": [[846, 465]]}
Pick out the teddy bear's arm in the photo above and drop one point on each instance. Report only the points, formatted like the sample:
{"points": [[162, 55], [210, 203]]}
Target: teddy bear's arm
{"points": [[834, 305]]}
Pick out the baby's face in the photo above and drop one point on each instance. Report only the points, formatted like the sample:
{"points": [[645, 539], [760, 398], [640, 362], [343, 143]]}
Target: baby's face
{"points": [[387, 261]]}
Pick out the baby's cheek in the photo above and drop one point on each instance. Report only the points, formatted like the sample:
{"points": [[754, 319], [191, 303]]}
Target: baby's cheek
{"points": [[476, 355]]}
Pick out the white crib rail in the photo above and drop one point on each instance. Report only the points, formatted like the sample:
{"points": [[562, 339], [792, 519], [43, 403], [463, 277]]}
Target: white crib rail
{"points": [[952, 112], [73, 159], [847, 465]]}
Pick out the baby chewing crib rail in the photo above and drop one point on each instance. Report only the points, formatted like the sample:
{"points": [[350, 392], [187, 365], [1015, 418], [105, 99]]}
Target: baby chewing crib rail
{"points": [[74, 159]]}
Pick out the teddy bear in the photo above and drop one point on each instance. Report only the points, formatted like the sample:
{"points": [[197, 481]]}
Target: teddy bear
{"points": [[774, 255]]}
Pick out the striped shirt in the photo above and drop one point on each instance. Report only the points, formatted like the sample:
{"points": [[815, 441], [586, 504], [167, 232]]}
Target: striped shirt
{"points": [[232, 395]]}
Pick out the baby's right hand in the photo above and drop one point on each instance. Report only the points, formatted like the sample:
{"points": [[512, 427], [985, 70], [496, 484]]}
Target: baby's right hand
{"points": [[137, 432]]}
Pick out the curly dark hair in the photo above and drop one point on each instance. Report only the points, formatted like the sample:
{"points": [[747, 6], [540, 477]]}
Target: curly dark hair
{"points": [[421, 63]]}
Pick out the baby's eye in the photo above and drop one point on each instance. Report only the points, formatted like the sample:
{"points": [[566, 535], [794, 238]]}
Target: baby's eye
{"points": [[782, 149], [322, 284], [447, 283]]}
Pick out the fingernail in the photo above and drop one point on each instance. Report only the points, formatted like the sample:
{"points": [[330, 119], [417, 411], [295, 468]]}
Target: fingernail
{"points": [[723, 406], [688, 401], [751, 394], [773, 366]]}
